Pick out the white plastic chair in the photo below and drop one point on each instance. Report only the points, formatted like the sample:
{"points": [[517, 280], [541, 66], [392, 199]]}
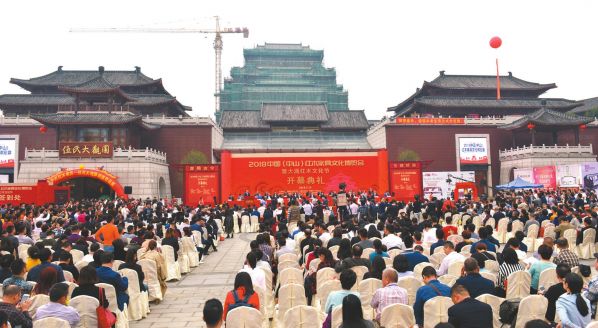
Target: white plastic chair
{"points": [[587, 248], [530, 308], [410, 284], [518, 284], [37, 301], [359, 271], [448, 279], [245, 224], [116, 264], [337, 316], [325, 289], [136, 308], [189, 248], [81, 264], [492, 266], [288, 257], [289, 295], [77, 255], [571, 236], [324, 275], [494, 303], [454, 268], [122, 318], [22, 250], [244, 316], [86, 307], [501, 231], [287, 264], [366, 253], [367, 288], [397, 316], [547, 278], [51, 322], [436, 311], [68, 276], [150, 271], [417, 270], [290, 276], [254, 224], [302, 316], [173, 270]]}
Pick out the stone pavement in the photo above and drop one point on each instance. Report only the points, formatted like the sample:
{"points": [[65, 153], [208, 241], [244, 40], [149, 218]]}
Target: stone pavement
{"points": [[183, 303]]}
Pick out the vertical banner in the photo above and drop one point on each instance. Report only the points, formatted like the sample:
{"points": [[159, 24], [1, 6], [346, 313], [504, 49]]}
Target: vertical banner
{"points": [[202, 184], [545, 175], [568, 176], [406, 180], [589, 174], [525, 174]]}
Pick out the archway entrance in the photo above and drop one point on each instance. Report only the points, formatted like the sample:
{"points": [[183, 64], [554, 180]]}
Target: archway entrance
{"points": [[88, 188], [99, 182]]}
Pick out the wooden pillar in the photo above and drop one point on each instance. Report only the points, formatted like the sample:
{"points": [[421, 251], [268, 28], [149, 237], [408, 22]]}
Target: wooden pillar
{"points": [[76, 104], [576, 131], [555, 137], [533, 137], [514, 140]]}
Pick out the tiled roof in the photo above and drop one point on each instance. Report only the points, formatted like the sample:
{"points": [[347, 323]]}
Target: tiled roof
{"points": [[252, 120], [62, 77], [494, 103], [588, 104], [484, 82], [286, 112], [86, 117], [354, 119], [545, 116], [38, 99]]}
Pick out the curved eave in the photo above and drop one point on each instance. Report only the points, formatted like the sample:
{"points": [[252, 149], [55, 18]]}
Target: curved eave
{"points": [[75, 90]]}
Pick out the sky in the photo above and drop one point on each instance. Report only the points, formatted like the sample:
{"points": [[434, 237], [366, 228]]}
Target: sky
{"points": [[382, 50]]}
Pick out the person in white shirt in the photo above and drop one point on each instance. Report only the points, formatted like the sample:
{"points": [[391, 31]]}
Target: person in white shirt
{"points": [[391, 240], [324, 235], [450, 258], [353, 207], [429, 235], [258, 276], [308, 209]]}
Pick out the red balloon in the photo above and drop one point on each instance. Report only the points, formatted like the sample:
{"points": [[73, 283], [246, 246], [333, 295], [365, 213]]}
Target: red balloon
{"points": [[43, 129], [495, 42]]}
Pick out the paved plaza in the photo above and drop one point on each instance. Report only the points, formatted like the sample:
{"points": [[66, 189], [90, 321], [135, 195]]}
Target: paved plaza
{"points": [[184, 299]]}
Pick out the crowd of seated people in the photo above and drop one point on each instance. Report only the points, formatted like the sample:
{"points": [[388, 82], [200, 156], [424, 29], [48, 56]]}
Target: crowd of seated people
{"points": [[449, 249]]}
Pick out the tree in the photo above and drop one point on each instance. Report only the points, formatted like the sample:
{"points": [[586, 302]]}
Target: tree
{"points": [[408, 155], [195, 157]]}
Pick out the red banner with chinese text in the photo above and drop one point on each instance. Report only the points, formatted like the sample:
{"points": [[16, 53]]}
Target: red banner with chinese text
{"points": [[430, 120], [202, 184], [406, 180], [545, 175], [294, 172]]}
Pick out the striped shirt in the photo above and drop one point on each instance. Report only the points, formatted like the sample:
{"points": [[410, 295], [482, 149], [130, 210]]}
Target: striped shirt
{"points": [[505, 270], [391, 294]]}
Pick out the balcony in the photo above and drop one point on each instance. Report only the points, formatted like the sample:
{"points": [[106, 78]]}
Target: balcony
{"points": [[556, 151], [94, 108], [120, 155]]}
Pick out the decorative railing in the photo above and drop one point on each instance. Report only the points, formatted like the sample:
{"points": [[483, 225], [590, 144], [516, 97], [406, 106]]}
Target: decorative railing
{"points": [[131, 154], [94, 108], [547, 151]]}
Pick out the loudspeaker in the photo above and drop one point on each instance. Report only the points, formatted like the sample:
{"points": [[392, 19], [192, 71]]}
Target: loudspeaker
{"points": [[128, 190]]}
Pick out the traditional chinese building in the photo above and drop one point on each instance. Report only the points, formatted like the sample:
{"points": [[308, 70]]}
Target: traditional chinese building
{"points": [[456, 123], [101, 131]]}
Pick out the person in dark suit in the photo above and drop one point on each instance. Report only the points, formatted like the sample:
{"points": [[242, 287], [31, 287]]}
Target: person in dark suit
{"points": [[476, 284], [416, 256], [460, 314], [356, 260], [108, 276]]}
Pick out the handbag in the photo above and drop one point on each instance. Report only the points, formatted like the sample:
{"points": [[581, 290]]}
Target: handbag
{"points": [[106, 319]]}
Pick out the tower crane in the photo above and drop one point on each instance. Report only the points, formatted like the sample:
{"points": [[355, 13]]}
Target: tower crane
{"points": [[218, 31]]}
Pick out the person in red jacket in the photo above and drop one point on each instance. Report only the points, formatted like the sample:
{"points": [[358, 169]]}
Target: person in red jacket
{"points": [[245, 295]]}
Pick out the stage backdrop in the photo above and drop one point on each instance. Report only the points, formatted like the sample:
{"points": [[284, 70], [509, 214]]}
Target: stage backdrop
{"points": [[568, 176], [436, 185], [406, 180], [545, 175], [202, 184], [302, 172]]}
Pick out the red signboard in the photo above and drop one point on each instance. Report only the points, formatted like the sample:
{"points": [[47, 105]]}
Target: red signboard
{"points": [[85, 149], [545, 175], [39, 194], [430, 120], [202, 184], [294, 172], [406, 180]]}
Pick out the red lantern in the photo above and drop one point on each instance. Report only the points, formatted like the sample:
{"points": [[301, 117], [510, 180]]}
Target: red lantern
{"points": [[43, 129], [583, 127], [495, 42], [531, 126]]}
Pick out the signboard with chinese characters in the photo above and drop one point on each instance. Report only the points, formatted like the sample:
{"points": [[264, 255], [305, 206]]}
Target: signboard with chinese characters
{"points": [[545, 175], [473, 150], [303, 172], [525, 174], [85, 149], [430, 120], [202, 184], [7, 153], [406, 180]]}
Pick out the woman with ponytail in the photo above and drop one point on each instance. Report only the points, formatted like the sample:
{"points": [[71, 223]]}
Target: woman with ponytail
{"points": [[573, 309]]}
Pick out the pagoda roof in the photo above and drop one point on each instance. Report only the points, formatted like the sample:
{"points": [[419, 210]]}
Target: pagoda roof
{"points": [[98, 118], [71, 78], [507, 82], [252, 120], [588, 104], [548, 117], [96, 86], [299, 112]]}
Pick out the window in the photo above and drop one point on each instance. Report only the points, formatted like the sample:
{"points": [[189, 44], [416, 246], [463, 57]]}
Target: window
{"points": [[119, 137], [67, 134], [93, 134]]}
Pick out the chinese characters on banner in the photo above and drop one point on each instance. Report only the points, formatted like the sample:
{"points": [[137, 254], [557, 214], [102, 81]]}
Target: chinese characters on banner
{"points": [[406, 180], [545, 175], [85, 149], [202, 184], [473, 151], [7, 153], [16, 194], [308, 172], [430, 120]]}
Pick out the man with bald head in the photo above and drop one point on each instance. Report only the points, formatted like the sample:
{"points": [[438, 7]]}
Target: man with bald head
{"points": [[389, 294]]}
